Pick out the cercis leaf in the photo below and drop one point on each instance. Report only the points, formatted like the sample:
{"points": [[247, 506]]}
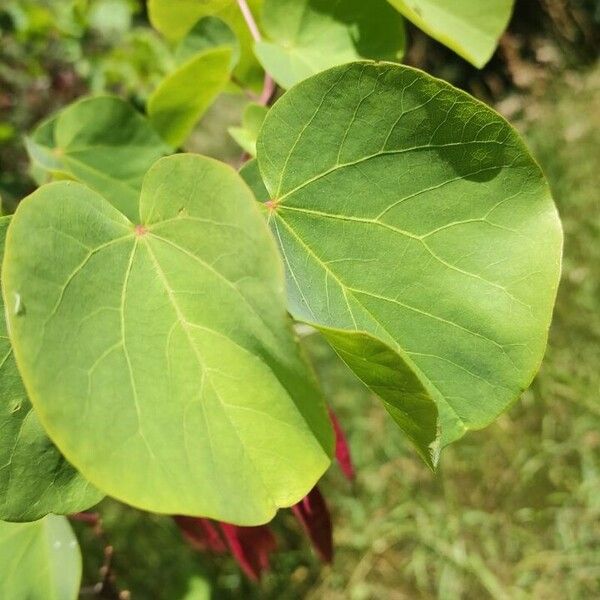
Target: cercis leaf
{"points": [[469, 27], [175, 18], [39, 561], [102, 142], [422, 223], [250, 546], [208, 33], [184, 95], [35, 479], [308, 36], [342, 449], [159, 354], [313, 515], [246, 135]]}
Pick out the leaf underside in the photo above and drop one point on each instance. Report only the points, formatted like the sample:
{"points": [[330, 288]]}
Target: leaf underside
{"points": [[35, 479], [305, 37], [470, 28], [159, 355], [39, 561], [422, 221]]}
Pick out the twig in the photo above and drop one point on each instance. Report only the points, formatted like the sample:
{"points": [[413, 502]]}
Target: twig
{"points": [[106, 587], [269, 87]]}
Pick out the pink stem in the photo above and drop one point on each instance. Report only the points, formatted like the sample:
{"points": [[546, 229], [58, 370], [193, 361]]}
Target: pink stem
{"points": [[249, 18], [269, 85]]}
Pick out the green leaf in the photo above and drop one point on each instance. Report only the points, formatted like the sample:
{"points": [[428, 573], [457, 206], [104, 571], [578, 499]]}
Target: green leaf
{"points": [[35, 479], [183, 96], [245, 136], [208, 33], [102, 142], [39, 561], [309, 36], [159, 356], [421, 220], [470, 28], [251, 175], [175, 18]]}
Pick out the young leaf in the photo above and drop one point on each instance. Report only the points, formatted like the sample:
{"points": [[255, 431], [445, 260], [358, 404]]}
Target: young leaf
{"points": [[206, 34], [251, 547], [35, 479], [183, 96], [39, 561], [422, 220], [313, 515], [175, 18], [245, 136], [308, 36], [102, 142], [342, 449], [159, 355], [470, 28]]}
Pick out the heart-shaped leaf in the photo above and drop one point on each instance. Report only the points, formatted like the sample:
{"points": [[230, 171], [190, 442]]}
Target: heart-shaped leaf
{"points": [[208, 33], [39, 561], [184, 95], [308, 36], [469, 27], [423, 221], [103, 142], [35, 479], [246, 135], [175, 18], [159, 355]]}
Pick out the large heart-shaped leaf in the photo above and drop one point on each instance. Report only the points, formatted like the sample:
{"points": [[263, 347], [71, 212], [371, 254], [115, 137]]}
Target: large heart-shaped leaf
{"points": [[308, 36], [35, 479], [39, 561], [185, 94], [470, 27], [159, 355], [421, 220], [103, 142], [175, 18]]}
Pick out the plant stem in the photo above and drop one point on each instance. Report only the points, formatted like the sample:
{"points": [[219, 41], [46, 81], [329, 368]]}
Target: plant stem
{"points": [[269, 87], [249, 18]]}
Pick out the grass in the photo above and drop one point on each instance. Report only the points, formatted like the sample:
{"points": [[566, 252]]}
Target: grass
{"points": [[514, 511]]}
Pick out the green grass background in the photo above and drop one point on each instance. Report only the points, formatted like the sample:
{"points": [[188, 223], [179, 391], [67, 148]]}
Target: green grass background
{"points": [[514, 511]]}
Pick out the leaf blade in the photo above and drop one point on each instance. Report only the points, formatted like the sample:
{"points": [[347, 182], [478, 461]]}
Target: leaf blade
{"points": [[175, 315], [404, 225]]}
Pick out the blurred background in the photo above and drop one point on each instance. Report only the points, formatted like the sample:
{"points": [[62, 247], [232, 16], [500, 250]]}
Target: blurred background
{"points": [[514, 511]]}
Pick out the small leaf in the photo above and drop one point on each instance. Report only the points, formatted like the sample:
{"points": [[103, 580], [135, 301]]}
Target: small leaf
{"points": [[183, 96], [39, 560], [342, 449], [208, 33], [35, 479], [201, 534], [308, 36], [246, 135], [313, 514], [251, 547], [175, 18], [470, 28], [102, 142], [159, 355], [423, 222]]}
